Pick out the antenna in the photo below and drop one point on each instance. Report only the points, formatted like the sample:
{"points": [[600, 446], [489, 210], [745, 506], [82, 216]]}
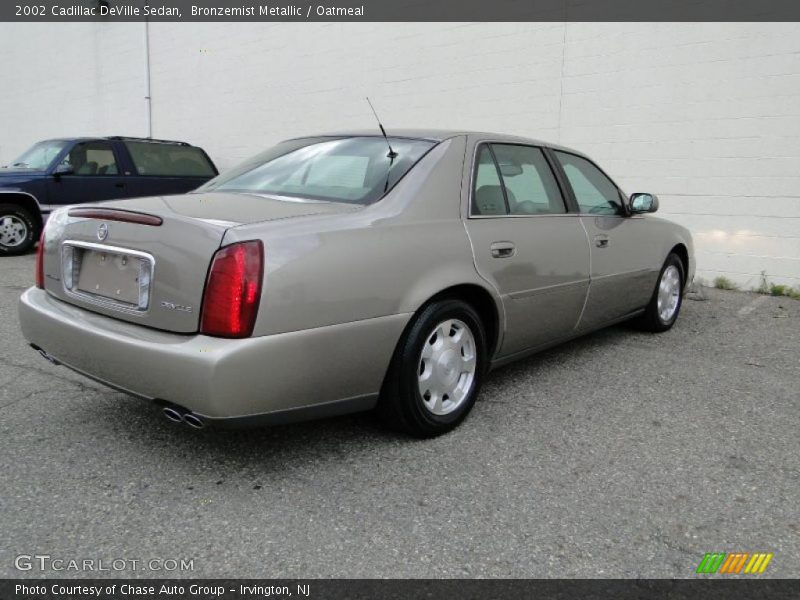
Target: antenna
{"points": [[392, 154]]}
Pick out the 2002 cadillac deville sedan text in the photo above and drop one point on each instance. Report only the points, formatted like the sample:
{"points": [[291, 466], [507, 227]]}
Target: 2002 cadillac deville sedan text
{"points": [[338, 273]]}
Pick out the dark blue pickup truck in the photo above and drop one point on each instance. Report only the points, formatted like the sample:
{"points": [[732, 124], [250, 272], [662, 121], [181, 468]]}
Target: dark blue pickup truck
{"points": [[58, 172]]}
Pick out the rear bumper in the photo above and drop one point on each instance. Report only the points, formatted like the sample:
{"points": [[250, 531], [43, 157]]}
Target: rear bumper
{"points": [[290, 376]]}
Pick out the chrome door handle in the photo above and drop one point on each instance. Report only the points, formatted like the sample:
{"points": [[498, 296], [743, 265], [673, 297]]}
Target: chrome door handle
{"points": [[601, 241], [503, 249]]}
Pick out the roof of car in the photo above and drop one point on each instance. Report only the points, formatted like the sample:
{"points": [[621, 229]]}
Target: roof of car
{"points": [[439, 135], [124, 138]]}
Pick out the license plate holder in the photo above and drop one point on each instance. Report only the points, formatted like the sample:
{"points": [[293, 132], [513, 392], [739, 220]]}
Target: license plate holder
{"points": [[108, 275]]}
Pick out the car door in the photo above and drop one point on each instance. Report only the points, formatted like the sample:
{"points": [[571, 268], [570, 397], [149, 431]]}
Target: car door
{"points": [[623, 268], [94, 174], [526, 244]]}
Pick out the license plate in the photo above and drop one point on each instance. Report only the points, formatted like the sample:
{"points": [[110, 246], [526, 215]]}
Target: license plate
{"points": [[114, 276], [108, 275]]}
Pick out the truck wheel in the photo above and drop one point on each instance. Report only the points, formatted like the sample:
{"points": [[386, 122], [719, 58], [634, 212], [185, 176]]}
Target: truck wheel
{"points": [[437, 370], [17, 230]]}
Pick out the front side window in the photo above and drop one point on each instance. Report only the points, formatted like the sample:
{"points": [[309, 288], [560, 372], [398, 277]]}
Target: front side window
{"points": [[39, 156], [92, 158], [357, 170], [594, 192], [166, 160]]}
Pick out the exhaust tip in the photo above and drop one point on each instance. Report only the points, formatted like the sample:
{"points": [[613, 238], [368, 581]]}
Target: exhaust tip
{"points": [[173, 415], [193, 420]]}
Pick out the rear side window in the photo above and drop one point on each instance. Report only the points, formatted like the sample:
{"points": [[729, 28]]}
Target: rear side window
{"points": [[531, 187], [594, 192], [487, 195], [512, 179], [169, 160]]}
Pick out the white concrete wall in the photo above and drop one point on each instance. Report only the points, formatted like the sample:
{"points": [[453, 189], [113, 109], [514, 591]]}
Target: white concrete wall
{"points": [[705, 115], [68, 80]]}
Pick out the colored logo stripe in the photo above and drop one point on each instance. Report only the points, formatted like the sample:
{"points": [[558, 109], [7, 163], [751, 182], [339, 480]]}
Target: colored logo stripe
{"points": [[734, 562], [710, 562], [758, 563], [721, 562]]}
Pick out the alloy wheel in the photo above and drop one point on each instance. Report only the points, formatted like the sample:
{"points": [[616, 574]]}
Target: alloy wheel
{"points": [[13, 231]]}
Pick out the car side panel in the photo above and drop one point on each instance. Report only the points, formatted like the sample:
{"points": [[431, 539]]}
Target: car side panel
{"points": [[388, 270], [543, 286], [33, 189], [625, 270], [624, 267]]}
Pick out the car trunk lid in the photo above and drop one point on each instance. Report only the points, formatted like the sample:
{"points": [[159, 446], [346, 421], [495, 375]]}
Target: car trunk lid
{"points": [[146, 260]]}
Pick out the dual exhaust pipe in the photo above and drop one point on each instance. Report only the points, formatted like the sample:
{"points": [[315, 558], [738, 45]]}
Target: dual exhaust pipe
{"points": [[176, 414], [172, 412]]}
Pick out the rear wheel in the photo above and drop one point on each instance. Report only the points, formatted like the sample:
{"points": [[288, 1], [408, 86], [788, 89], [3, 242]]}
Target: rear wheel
{"points": [[17, 230], [437, 370], [662, 312]]}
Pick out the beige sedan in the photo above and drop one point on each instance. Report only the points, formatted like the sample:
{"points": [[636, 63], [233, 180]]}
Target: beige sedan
{"points": [[347, 272]]}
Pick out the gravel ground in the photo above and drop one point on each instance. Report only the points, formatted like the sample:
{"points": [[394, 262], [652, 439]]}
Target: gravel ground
{"points": [[622, 454]]}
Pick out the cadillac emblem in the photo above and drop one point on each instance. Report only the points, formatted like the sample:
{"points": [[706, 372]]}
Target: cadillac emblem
{"points": [[102, 231]]}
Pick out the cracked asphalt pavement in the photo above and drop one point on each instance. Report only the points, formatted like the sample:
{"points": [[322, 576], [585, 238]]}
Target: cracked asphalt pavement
{"points": [[622, 454]]}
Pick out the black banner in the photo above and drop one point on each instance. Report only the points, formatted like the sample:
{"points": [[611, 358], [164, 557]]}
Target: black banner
{"points": [[389, 589], [399, 10]]}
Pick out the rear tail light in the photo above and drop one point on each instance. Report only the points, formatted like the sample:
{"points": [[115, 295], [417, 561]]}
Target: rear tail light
{"points": [[40, 263], [233, 290]]}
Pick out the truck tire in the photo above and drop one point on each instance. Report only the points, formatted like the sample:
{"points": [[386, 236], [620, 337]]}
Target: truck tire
{"points": [[18, 230]]}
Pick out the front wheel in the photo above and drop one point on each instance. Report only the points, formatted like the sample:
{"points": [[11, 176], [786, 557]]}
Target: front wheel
{"points": [[437, 370], [17, 230], [665, 304]]}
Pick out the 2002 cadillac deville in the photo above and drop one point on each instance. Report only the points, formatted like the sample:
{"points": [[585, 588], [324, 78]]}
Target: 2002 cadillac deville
{"points": [[338, 273]]}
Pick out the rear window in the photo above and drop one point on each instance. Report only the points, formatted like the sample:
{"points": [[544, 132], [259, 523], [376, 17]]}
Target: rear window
{"points": [[169, 159], [357, 170]]}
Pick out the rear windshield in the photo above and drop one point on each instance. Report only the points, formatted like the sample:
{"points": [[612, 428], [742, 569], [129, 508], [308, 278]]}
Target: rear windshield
{"points": [[169, 159], [357, 170]]}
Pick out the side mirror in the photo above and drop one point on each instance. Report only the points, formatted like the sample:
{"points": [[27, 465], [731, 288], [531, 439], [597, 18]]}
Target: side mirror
{"points": [[63, 169], [643, 203]]}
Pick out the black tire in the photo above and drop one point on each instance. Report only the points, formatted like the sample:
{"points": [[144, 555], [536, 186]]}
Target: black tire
{"points": [[652, 320], [30, 234], [401, 405]]}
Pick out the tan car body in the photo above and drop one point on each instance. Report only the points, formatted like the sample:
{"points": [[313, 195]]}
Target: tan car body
{"points": [[341, 283]]}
